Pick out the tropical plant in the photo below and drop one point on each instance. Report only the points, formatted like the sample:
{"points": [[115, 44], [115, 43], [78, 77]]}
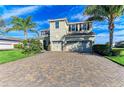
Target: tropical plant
{"points": [[18, 46], [2, 26], [105, 12], [31, 46], [21, 24]]}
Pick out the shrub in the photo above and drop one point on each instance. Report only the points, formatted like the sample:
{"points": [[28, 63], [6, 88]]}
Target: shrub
{"points": [[32, 46], [116, 52], [18, 46], [102, 49]]}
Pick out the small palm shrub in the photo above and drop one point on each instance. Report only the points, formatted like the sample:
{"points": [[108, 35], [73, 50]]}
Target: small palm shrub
{"points": [[32, 46]]}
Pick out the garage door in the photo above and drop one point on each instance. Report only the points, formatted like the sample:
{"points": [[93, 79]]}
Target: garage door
{"points": [[57, 46], [5, 46], [76, 46]]}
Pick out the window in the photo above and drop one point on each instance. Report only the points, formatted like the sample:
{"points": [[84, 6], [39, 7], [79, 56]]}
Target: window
{"points": [[73, 28], [85, 27], [89, 26], [69, 27], [57, 24], [82, 27], [76, 27]]}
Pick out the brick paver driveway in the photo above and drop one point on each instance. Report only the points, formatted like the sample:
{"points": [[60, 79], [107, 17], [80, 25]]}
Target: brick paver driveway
{"points": [[62, 69]]}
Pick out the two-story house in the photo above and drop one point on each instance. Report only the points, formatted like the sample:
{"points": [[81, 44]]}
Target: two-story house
{"points": [[70, 36]]}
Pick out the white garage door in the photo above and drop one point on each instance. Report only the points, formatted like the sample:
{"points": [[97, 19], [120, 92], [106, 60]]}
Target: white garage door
{"points": [[6, 46], [76, 46], [56, 46]]}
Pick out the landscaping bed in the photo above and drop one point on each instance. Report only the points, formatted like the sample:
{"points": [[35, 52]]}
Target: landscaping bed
{"points": [[117, 54], [10, 55], [119, 58]]}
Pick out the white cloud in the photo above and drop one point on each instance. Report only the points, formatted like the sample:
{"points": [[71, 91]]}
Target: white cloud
{"points": [[79, 16], [105, 27], [119, 19], [116, 33], [119, 33], [104, 37], [101, 27], [20, 11], [119, 26], [42, 22]]}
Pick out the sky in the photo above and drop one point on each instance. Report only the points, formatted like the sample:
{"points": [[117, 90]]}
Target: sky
{"points": [[74, 13]]}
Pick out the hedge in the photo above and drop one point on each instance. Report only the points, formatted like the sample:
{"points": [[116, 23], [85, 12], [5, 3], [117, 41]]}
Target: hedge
{"points": [[101, 49]]}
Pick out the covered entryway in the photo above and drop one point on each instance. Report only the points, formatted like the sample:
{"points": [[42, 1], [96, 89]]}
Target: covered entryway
{"points": [[78, 46]]}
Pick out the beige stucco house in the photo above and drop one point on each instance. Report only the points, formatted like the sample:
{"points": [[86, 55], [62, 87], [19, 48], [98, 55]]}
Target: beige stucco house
{"points": [[68, 36]]}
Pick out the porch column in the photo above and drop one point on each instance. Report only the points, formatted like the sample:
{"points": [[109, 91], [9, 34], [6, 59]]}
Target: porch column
{"points": [[78, 27]]}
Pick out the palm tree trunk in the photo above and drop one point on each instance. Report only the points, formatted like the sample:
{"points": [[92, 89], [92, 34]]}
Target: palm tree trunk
{"points": [[111, 31], [25, 35], [111, 39]]}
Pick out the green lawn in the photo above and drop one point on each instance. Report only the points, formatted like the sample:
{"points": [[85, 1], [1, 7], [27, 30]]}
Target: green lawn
{"points": [[119, 59], [10, 55]]}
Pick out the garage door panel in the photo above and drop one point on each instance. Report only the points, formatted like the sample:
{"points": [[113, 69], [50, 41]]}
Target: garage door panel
{"points": [[76, 46], [57, 46]]}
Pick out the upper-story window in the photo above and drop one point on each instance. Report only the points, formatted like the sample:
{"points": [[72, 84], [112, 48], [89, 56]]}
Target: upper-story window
{"points": [[73, 27], [57, 24], [69, 27], [85, 27], [76, 27], [89, 26], [81, 26]]}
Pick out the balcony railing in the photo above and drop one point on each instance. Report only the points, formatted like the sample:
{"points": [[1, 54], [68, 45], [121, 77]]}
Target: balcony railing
{"points": [[80, 27], [45, 34]]}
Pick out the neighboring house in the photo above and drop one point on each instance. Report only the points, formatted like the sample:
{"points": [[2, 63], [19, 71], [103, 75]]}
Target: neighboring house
{"points": [[7, 43], [119, 44], [67, 36]]}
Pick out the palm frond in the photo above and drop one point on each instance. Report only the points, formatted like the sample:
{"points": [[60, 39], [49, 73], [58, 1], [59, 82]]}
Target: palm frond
{"points": [[90, 10], [28, 20], [105, 11], [21, 24], [95, 18]]}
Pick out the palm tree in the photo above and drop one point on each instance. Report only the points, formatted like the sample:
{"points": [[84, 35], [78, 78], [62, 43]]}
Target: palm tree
{"points": [[2, 26], [105, 12], [21, 24]]}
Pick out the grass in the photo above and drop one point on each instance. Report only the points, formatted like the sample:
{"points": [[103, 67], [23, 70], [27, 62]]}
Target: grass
{"points": [[120, 58], [10, 55]]}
